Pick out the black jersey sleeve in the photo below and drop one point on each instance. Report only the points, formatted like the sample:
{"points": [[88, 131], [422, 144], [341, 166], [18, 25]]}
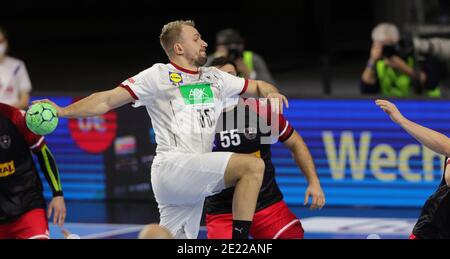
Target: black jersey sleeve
{"points": [[50, 170]]}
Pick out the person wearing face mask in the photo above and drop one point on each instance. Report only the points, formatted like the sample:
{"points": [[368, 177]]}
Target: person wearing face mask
{"points": [[15, 84], [392, 70]]}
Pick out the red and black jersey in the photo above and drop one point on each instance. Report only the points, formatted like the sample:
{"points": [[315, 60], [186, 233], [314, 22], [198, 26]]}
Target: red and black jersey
{"points": [[434, 219], [250, 128], [20, 185]]}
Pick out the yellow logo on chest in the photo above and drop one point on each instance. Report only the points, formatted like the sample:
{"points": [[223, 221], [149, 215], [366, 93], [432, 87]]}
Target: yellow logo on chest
{"points": [[7, 169]]}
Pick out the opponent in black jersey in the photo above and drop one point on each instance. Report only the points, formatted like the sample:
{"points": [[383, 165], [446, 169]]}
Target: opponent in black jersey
{"points": [[272, 219], [434, 221], [22, 205]]}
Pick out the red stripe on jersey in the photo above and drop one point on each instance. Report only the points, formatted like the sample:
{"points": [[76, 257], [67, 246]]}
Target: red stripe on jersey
{"points": [[287, 134], [17, 117], [183, 69], [128, 88], [244, 88], [286, 129]]}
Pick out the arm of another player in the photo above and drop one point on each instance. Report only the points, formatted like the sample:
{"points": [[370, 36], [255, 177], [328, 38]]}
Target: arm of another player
{"points": [[57, 205], [95, 104], [258, 88], [304, 161], [433, 140]]}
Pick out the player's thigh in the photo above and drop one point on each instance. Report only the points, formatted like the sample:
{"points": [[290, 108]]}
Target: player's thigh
{"points": [[184, 179], [32, 225]]}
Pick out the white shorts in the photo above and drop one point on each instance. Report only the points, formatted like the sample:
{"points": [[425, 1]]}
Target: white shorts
{"points": [[181, 182]]}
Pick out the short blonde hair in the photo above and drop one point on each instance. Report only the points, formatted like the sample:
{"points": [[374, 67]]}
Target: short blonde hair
{"points": [[170, 34], [385, 31]]}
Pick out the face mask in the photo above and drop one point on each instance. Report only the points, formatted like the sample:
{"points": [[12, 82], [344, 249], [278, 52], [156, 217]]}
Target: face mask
{"points": [[3, 47]]}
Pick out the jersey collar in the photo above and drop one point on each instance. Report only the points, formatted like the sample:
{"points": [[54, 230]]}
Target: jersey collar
{"points": [[183, 69]]}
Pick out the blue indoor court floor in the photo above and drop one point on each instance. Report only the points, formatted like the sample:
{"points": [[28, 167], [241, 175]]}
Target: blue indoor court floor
{"points": [[99, 220]]}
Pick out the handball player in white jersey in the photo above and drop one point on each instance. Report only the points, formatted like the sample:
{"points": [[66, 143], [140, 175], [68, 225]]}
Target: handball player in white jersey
{"points": [[184, 101]]}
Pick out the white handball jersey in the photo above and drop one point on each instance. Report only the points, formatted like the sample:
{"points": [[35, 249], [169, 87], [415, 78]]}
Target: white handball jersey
{"points": [[183, 105], [13, 80]]}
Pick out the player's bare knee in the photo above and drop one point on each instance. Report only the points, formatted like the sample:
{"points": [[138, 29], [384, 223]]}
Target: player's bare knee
{"points": [[259, 166], [256, 169]]}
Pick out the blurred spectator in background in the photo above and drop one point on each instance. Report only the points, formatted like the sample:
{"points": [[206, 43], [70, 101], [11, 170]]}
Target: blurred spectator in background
{"points": [[230, 44], [392, 69], [15, 84]]}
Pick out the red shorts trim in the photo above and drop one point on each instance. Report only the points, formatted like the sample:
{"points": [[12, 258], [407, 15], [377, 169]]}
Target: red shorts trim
{"points": [[273, 222], [31, 225]]}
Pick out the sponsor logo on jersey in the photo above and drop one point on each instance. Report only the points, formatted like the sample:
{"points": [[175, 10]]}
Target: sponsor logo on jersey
{"points": [[5, 141], [131, 80], [197, 94], [175, 78], [7, 169]]}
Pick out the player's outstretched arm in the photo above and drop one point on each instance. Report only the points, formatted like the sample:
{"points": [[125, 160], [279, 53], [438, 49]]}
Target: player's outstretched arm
{"points": [[433, 140], [257, 88], [304, 161], [95, 104]]}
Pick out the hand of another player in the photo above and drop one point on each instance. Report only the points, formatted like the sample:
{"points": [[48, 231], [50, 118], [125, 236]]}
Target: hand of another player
{"points": [[59, 110], [276, 102], [58, 207], [391, 110], [318, 197]]}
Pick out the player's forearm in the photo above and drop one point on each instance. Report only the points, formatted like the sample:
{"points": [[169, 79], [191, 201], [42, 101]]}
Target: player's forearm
{"points": [[50, 170], [263, 89], [95, 104], [304, 161], [433, 140]]}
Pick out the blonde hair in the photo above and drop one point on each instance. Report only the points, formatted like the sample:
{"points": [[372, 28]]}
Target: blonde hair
{"points": [[385, 31], [170, 34]]}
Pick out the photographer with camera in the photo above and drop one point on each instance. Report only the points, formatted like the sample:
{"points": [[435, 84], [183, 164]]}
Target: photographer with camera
{"points": [[230, 44], [392, 70]]}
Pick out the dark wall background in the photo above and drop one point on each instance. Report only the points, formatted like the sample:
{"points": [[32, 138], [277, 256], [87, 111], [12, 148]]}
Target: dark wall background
{"points": [[92, 45]]}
